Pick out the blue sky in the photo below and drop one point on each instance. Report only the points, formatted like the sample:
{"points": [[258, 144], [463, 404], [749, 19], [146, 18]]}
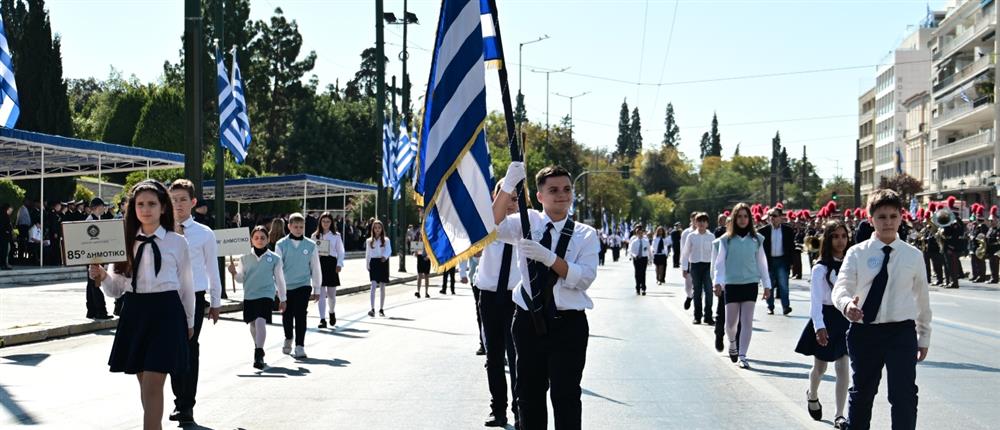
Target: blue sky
{"points": [[617, 39]]}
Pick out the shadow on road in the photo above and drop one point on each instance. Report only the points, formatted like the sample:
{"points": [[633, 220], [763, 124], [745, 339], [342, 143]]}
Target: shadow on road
{"points": [[593, 394], [26, 359], [960, 366], [336, 362], [22, 416]]}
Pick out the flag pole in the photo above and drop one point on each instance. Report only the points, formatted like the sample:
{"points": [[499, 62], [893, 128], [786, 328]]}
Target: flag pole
{"points": [[515, 155]]}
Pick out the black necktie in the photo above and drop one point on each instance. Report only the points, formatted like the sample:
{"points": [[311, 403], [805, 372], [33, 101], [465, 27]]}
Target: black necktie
{"points": [[145, 240], [538, 297], [505, 261], [874, 299], [659, 247]]}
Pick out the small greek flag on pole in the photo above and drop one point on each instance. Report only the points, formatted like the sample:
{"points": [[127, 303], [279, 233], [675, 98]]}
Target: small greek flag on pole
{"points": [[406, 152], [9, 106], [230, 133], [242, 115], [388, 155], [491, 53]]}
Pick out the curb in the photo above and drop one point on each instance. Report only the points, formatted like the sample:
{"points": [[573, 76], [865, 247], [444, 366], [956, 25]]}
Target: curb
{"points": [[92, 326]]}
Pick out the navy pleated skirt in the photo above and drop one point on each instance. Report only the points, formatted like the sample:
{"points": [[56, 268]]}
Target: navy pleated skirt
{"points": [[836, 332], [258, 308], [328, 266], [151, 334], [378, 270]]}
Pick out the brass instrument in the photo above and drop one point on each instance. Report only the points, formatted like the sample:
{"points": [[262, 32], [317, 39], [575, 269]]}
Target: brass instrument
{"points": [[944, 217], [812, 244], [981, 247], [939, 236]]}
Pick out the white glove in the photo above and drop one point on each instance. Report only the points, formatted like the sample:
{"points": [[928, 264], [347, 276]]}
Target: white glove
{"points": [[535, 251], [515, 174]]}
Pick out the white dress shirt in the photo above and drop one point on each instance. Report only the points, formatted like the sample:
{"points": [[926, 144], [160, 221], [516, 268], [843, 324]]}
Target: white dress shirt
{"points": [[906, 294], [204, 253], [777, 246], [380, 250], [336, 247], [719, 270], [316, 272], [684, 235], [640, 247], [488, 274], [175, 272], [656, 244], [570, 293], [819, 293], [279, 276], [697, 249]]}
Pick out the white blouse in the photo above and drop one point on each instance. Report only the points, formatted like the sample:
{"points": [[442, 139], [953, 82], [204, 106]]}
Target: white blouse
{"points": [[819, 292], [336, 247], [175, 272], [380, 250]]}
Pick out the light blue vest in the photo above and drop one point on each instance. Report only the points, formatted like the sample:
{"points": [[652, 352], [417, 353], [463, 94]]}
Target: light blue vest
{"points": [[258, 276], [741, 260], [298, 272]]}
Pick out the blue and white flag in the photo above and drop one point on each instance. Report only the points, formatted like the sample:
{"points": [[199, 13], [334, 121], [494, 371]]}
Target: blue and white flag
{"points": [[491, 52], [899, 161], [230, 135], [388, 155], [965, 97], [406, 153], [242, 115], [604, 223], [455, 162], [10, 107]]}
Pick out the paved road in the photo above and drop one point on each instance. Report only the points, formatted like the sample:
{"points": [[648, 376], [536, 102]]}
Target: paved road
{"points": [[648, 367]]}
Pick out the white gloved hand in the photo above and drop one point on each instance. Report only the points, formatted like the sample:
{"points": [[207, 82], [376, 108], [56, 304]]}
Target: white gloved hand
{"points": [[535, 251], [515, 174]]}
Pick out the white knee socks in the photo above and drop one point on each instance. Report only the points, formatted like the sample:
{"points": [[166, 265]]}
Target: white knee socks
{"points": [[258, 329], [327, 299]]}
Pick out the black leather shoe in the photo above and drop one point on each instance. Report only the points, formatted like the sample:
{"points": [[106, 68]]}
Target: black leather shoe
{"points": [[495, 421], [718, 343], [709, 321], [787, 310], [185, 416], [322, 323], [687, 303], [481, 350], [840, 423], [103, 317], [770, 311], [696, 321], [444, 291], [816, 414], [258, 359], [333, 319]]}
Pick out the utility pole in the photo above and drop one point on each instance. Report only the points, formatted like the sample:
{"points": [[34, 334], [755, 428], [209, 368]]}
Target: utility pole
{"points": [[408, 18], [857, 173], [571, 110], [802, 175], [220, 153], [193, 121], [547, 73], [380, 95], [395, 203]]}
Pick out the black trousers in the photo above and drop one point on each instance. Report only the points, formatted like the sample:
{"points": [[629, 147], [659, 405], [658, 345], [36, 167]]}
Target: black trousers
{"points": [[497, 313], [600, 256], [797, 264], [479, 320], [449, 274], [872, 347], [677, 257], [185, 385], [554, 360], [640, 265], [994, 268], [702, 282], [954, 267], [96, 307], [934, 261], [978, 267], [615, 252], [294, 317]]}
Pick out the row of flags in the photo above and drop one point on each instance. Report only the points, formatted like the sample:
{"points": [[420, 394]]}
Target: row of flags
{"points": [[9, 105], [234, 121], [398, 156]]}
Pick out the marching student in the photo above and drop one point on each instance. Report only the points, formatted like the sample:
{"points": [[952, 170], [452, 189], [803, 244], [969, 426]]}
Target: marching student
{"points": [[739, 267], [157, 291], [496, 278], [604, 249], [448, 274], [554, 358], [661, 246], [96, 306], [262, 277], [882, 291], [423, 271], [203, 251], [640, 251], [303, 277], [616, 244], [825, 336], [688, 284], [330, 266], [377, 253], [696, 261]]}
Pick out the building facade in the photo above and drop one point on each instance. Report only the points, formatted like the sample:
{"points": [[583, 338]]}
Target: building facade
{"points": [[917, 138], [866, 142]]}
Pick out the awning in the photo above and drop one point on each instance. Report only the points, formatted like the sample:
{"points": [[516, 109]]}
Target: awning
{"points": [[30, 155], [291, 187]]}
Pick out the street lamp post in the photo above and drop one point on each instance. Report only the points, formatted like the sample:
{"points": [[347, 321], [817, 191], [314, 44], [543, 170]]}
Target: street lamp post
{"points": [[520, 69], [961, 190], [547, 73], [571, 110], [408, 18]]}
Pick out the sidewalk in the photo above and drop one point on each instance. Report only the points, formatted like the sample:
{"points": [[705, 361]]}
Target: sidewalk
{"points": [[39, 312]]}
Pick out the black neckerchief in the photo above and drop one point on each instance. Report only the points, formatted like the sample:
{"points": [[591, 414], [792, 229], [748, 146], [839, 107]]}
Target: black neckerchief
{"points": [[259, 251], [294, 237], [833, 267]]}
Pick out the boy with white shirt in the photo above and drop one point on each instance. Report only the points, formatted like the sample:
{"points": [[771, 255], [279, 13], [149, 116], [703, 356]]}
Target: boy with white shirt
{"points": [[640, 250], [203, 253], [882, 288], [688, 285], [553, 352], [696, 261]]}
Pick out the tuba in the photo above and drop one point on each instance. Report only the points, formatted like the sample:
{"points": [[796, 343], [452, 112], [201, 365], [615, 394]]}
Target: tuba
{"points": [[944, 217], [812, 244], [981, 247]]}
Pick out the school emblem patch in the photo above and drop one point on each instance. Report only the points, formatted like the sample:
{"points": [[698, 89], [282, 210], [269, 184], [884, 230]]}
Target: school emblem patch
{"points": [[874, 262]]}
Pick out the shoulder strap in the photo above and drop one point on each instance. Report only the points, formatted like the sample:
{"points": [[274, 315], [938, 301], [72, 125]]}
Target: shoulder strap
{"points": [[564, 236]]}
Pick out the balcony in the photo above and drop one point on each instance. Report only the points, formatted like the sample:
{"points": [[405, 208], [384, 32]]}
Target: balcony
{"points": [[962, 109], [966, 72], [964, 146], [984, 21]]}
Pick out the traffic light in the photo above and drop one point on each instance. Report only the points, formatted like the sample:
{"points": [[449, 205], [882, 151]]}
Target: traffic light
{"points": [[834, 196]]}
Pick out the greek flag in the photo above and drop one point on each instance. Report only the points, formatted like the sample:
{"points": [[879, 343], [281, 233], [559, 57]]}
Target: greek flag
{"points": [[491, 53], [388, 155], [604, 223], [230, 133], [406, 152], [454, 158], [9, 106], [965, 97], [242, 118]]}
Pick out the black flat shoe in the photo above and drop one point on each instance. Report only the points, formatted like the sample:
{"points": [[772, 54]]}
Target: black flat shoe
{"points": [[182, 416], [709, 321], [840, 423], [644, 292], [481, 350], [371, 313], [322, 323], [444, 291], [787, 310], [687, 303], [718, 343], [427, 295], [417, 294], [696, 321], [770, 311], [816, 414], [258, 359], [733, 352], [495, 421], [333, 319], [380, 313]]}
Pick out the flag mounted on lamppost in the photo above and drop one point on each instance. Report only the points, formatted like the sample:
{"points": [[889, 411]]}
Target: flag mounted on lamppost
{"points": [[10, 107]]}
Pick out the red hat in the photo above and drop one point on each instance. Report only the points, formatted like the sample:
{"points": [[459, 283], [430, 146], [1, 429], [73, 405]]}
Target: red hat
{"points": [[857, 212], [779, 205], [808, 214], [993, 212], [756, 217], [932, 206], [951, 202], [725, 213]]}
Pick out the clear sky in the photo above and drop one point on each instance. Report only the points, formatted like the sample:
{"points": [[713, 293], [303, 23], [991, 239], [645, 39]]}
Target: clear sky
{"points": [[666, 41]]}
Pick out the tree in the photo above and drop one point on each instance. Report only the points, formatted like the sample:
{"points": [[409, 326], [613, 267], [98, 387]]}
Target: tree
{"points": [[706, 145], [672, 133], [624, 131], [635, 135], [366, 78], [838, 185], [783, 166], [715, 149], [907, 186], [737, 152], [161, 122], [124, 116], [520, 113]]}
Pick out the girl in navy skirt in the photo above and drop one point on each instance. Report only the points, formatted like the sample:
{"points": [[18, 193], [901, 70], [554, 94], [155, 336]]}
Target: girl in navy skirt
{"points": [[157, 315], [262, 277], [377, 253], [330, 266], [423, 270], [825, 336]]}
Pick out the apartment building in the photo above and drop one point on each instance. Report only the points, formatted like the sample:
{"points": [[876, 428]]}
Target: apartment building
{"points": [[866, 142]]}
